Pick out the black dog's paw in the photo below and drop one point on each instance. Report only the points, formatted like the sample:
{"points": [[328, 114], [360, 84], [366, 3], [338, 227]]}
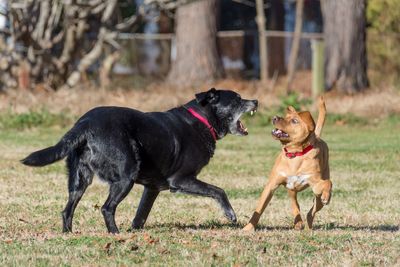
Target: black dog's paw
{"points": [[231, 216], [135, 227], [66, 231]]}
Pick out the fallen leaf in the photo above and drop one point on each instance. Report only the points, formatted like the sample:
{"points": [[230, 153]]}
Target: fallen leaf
{"points": [[134, 247], [22, 220], [107, 248], [149, 239], [163, 251]]}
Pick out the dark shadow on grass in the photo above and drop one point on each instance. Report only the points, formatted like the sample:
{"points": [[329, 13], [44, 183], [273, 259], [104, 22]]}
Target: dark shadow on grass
{"points": [[375, 228], [211, 225]]}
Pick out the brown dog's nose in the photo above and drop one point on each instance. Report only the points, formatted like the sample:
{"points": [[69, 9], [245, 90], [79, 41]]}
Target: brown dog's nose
{"points": [[275, 119]]}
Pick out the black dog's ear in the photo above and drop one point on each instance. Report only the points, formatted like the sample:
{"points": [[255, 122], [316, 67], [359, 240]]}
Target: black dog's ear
{"points": [[211, 96]]}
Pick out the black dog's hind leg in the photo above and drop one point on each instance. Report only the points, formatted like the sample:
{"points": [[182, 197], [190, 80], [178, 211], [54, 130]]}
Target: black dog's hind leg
{"points": [[118, 191], [197, 187], [80, 177], [145, 205]]}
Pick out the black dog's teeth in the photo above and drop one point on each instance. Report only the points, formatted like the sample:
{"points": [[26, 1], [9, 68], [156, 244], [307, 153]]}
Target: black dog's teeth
{"points": [[241, 127]]}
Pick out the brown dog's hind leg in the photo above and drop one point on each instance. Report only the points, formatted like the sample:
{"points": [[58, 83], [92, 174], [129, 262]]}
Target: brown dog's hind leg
{"points": [[265, 198], [315, 208], [322, 192], [326, 192], [323, 189], [298, 221]]}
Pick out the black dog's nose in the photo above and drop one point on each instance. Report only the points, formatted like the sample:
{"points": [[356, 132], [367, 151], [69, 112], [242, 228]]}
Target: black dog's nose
{"points": [[275, 119]]}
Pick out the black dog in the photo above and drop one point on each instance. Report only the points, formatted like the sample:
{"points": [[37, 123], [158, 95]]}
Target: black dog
{"points": [[160, 150]]}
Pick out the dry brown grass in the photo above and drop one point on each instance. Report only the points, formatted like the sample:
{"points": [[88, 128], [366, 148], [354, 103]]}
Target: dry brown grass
{"points": [[375, 102]]}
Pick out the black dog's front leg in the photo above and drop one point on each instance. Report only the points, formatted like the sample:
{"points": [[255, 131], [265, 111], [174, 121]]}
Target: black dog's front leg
{"points": [[196, 187], [145, 205]]}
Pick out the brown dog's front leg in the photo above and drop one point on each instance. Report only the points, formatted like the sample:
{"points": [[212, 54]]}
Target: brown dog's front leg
{"points": [[298, 221], [323, 188], [265, 198]]}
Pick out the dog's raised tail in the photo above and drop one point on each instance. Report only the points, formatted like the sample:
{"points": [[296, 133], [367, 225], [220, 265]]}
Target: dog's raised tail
{"points": [[71, 140], [321, 116]]}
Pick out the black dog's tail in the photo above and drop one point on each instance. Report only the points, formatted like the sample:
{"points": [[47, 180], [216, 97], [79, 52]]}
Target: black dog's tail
{"points": [[71, 140]]}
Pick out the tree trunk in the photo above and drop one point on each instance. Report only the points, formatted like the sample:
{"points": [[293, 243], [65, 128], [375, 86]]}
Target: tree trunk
{"points": [[345, 46], [197, 58], [294, 51]]}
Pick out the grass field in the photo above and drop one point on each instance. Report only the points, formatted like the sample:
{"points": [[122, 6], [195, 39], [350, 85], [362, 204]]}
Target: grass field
{"points": [[360, 227]]}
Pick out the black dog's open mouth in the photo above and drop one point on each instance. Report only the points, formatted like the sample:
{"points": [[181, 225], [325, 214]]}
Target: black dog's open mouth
{"points": [[279, 133], [241, 128]]}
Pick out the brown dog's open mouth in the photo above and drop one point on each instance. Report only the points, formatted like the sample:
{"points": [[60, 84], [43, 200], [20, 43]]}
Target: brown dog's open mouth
{"points": [[279, 133]]}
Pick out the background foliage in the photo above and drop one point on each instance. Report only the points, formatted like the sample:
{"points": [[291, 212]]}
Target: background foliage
{"points": [[384, 38]]}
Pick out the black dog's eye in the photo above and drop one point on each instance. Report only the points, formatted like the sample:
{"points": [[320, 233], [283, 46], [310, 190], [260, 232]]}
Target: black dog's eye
{"points": [[294, 121]]}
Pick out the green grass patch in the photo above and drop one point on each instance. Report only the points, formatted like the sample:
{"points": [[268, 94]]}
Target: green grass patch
{"points": [[32, 119], [359, 227]]}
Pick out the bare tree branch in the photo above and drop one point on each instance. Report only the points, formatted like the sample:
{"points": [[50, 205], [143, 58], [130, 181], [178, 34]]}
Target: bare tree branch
{"points": [[57, 40]]}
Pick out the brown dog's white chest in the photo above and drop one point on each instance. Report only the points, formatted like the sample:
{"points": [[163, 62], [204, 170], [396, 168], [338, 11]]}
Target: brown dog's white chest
{"points": [[297, 174], [296, 182]]}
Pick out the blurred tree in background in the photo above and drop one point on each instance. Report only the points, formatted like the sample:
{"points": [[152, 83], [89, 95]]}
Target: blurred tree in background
{"points": [[384, 37], [197, 58], [58, 43], [54, 42], [345, 45]]}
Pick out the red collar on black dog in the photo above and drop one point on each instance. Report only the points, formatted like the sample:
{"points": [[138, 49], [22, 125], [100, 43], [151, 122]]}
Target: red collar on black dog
{"points": [[204, 121], [292, 155]]}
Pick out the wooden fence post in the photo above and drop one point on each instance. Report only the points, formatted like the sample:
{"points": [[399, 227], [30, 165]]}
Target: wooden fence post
{"points": [[262, 40], [317, 67]]}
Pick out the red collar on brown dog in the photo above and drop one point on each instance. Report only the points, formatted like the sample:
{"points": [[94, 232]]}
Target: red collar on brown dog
{"points": [[292, 155]]}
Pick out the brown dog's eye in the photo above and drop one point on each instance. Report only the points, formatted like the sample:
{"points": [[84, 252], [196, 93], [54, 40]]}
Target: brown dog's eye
{"points": [[294, 121]]}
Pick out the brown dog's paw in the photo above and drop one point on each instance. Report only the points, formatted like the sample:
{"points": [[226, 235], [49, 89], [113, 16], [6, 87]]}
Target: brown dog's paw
{"points": [[299, 225], [249, 228], [325, 198], [310, 220]]}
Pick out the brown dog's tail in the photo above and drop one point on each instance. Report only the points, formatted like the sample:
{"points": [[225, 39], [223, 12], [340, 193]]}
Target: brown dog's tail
{"points": [[321, 116]]}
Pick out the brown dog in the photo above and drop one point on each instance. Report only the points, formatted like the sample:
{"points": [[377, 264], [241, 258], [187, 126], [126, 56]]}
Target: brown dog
{"points": [[303, 162]]}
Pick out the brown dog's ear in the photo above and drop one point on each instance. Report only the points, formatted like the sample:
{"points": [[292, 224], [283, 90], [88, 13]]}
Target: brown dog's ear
{"points": [[290, 109], [308, 120]]}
